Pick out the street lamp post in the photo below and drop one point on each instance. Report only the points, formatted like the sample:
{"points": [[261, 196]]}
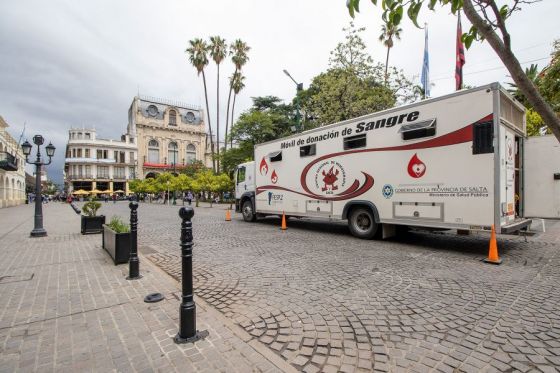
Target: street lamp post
{"points": [[298, 89], [174, 174], [38, 230]]}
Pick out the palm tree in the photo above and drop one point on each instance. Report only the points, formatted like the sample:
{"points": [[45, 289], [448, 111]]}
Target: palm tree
{"points": [[388, 32], [239, 57], [218, 51], [198, 57], [237, 85]]}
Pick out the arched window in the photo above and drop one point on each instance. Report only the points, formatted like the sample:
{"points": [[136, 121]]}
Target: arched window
{"points": [[153, 152], [191, 154], [172, 153], [172, 118]]}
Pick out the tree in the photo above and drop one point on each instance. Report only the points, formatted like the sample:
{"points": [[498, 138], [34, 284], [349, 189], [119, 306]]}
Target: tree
{"points": [[239, 56], [532, 73], [237, 85], [340, 94], [203, 183], [488, 23], [353, 85], [549, 79], [198, 57], [181, 183], [388, 32], [218, 51]]}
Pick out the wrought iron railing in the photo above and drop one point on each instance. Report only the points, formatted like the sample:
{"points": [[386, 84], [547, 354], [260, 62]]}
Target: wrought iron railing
{"points": [[8, 162]]}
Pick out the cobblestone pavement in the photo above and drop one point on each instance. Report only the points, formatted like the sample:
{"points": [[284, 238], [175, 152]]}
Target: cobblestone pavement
{"points": [[326, 301], [66, 308]]}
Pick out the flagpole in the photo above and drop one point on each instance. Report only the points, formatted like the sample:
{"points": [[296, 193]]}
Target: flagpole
{"points": [[425, 80]]}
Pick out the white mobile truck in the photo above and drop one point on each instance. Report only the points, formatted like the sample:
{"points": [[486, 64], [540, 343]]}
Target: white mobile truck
{"points": [[452, 162]]}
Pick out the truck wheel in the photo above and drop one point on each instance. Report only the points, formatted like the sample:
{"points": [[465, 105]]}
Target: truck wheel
{"points": [[362, 224], [247, 211]]}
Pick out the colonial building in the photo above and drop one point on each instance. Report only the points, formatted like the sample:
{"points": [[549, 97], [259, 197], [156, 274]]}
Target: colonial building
{"points": [[12, 169], [99, 164], [170, 135]]}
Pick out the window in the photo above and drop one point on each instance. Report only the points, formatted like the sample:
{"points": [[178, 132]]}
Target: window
{"points": [[102, 172], [172, 153], [79, 154], [353, 142], [68, 154], [121, 157], [80, 170], [88, 171], [73, 153], [118, 173], [418, 130], [116, 156], [307, 150], [131, 173], [131, 140], [99, 153], [172, 118], [86, 153], [275, 156], [79, 135], [483, 138], [88, 136], [131, 157], [240, 174], [191, 154], [153, 151]]}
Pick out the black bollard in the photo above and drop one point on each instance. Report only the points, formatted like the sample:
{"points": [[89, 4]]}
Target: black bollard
{"points": [[187, 309], [133, 262]]}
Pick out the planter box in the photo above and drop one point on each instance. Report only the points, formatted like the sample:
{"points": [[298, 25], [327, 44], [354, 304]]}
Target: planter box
{"points": [[92, 224], [117, 245]]}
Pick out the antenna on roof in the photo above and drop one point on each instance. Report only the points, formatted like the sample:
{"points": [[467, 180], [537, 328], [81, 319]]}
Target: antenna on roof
{"points": [[22, 132]]}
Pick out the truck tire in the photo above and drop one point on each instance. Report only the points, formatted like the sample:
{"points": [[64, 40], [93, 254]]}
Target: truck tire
{"points": [[247, 211], [362, 223]]}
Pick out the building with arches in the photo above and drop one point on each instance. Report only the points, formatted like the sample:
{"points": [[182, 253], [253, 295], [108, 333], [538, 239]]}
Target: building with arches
{"points": [[12, 169], [170, 135], [94, 163]]}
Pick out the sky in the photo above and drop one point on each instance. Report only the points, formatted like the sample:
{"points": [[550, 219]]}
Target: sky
{"points": [[79, 64]]}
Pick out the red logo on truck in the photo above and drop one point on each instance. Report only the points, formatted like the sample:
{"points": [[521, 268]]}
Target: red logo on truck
{"points": [[329, 180], [416, 168], [274, 177], [263, 167]]}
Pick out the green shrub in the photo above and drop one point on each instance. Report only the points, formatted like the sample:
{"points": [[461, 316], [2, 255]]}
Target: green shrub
{"points": [[90, 207], [118, 225]]}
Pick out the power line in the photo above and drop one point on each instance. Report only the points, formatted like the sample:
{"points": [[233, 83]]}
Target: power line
{"points": [[485, 70]]}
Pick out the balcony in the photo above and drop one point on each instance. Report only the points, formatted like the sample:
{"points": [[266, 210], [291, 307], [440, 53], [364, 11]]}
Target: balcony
{"points": [[8, 162], [79, 177]]}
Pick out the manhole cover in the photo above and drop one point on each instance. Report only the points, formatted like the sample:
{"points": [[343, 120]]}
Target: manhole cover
{"points": [[153, 297]]}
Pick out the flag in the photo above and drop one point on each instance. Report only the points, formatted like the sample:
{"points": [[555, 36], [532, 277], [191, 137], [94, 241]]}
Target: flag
{"points": [[459, 56], [426, 67]]}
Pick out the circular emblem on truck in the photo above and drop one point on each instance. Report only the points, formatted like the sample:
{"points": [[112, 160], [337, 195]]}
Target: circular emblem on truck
{"points": [[387, 191], [330, 176]]}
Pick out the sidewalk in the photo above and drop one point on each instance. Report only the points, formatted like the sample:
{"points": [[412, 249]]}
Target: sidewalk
{"points": [[66, 308]]}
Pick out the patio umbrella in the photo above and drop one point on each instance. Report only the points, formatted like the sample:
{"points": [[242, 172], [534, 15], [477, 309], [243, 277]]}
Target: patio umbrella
{"points": [[96, 191], [80, 192], [118, 191]]}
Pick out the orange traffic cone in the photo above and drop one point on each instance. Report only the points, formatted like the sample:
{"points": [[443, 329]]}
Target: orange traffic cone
{"points": [[228, 215], [284, 227], [493, 257]]}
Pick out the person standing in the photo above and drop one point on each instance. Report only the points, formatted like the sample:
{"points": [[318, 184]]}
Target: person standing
{"points": [[189, 197]]}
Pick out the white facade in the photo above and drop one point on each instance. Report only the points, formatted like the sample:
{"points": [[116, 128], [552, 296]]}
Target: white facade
{"points": [[93, 163], [12, 182], [542, 189]]}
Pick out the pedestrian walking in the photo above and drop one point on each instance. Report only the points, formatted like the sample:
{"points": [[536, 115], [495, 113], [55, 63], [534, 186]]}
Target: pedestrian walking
{"points": [[189, 197]]}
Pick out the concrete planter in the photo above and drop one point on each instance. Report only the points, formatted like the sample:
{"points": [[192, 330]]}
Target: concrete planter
{"points": [[116, 244], [92, 224]]}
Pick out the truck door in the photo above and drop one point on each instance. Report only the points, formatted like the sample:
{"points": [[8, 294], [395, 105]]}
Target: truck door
{"points": [[240, 182], [510, 172]]}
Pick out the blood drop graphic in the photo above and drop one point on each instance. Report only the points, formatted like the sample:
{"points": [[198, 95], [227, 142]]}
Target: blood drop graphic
{"points": [[263, 167], [416, 168], [274, 177]]}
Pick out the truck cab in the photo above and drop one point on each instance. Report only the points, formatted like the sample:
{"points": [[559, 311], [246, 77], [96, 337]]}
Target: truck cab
{"points": [[245, 190]]}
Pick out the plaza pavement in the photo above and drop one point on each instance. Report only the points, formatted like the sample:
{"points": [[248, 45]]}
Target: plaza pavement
{"points": [[64, 307], [326, 301], [317, 298]]}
